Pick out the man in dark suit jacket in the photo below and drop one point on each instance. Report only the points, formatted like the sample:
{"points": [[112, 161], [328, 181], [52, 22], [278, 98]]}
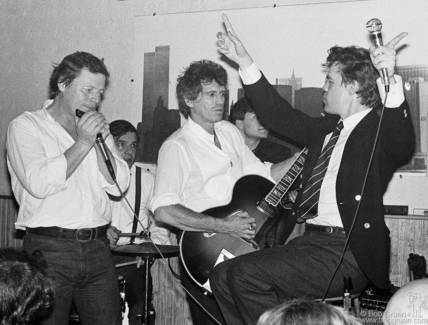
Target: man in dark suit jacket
{"points": [[350, 204]]}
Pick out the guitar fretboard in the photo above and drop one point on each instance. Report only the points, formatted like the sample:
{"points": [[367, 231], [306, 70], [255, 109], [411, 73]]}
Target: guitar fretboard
{"points": [[281, 188]]}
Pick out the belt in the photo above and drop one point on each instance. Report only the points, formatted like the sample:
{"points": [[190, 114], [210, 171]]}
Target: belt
{"points": [[81, 234], [325, 229]]}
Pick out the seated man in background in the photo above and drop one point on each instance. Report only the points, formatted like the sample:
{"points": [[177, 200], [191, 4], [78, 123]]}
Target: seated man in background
{"points": [[26, 293], [138, 195], [255, 134], [255, 137]]}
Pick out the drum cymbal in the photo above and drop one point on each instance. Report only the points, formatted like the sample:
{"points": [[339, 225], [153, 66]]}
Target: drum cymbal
{"points": [[147, 249]]}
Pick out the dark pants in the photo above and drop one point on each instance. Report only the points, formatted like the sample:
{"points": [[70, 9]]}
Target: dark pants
{"points": [[82, 272], [248, 285], [200, 316], [135, 288]]}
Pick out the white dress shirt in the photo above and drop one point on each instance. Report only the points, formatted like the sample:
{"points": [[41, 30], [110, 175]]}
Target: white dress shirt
{"points": [[328, 212], [123, 216], [193, 172], [35, 157]]}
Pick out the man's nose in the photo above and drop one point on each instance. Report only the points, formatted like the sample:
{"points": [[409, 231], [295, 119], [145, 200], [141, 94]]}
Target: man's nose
{"points": [[96, 97]]}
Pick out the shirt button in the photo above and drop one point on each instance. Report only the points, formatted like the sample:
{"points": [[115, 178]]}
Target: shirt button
{"points": [[367, 225], [358, 197]]}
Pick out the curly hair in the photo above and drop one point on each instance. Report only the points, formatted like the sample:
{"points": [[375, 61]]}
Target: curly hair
{"points": [[356, 66], [25, 290], [300, 311], [189, 83], [70, 68], [239, 109]]}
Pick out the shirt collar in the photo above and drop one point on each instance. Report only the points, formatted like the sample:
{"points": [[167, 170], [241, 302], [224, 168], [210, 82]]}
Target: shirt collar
{"points": [[44, 110], [351, 121], [200, 131]]}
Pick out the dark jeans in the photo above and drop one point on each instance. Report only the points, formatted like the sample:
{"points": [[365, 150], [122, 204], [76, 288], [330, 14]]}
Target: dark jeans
{"points": [[135, 288], [82, 272], [248, 285]]}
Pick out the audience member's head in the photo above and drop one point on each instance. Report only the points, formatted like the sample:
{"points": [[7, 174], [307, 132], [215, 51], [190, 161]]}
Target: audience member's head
{"points": [[126, 139], [409, 305], [305, 312], [243, 116], [25, 291], [189, 83], [71, 67]]}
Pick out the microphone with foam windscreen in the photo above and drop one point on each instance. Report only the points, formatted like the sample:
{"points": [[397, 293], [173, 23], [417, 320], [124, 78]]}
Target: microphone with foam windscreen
{"points": [[374, 26]]}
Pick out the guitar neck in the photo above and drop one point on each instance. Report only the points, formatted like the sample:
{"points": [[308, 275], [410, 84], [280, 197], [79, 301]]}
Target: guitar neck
{"points": [[280, 189]]}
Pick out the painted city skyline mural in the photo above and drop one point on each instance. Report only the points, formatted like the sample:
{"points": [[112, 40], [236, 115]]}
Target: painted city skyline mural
{"points": [[158, 122]]}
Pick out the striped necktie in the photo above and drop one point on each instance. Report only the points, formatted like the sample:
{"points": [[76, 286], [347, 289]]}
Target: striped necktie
{"points": [[309, 207]]}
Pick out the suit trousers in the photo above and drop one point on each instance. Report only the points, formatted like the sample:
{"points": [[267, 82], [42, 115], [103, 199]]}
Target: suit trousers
{"points": [[200, 315], [248, 285]]}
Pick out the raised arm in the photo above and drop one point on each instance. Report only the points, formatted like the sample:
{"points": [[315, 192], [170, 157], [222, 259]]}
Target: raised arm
{"points": [[229, 45]]}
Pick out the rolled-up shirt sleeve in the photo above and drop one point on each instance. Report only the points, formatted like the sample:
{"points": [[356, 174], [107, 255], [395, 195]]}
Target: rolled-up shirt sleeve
{"points": [[171, 176], [39, 173]]}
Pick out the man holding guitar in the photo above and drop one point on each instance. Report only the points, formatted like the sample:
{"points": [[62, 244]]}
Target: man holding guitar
{"points": [[200, 163], [346, 199]]}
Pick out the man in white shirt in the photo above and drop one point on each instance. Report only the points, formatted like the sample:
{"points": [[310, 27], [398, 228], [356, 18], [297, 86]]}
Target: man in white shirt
{"points": [[60, 180], [334, 208], [126, 139], [199, 164]]}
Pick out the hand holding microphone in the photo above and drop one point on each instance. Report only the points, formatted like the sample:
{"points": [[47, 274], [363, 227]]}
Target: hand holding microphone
{"points": [[383, 57], [95, 122]]}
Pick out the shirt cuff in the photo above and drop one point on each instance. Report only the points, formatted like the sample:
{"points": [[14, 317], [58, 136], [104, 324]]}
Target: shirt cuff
{"points": [[250, 75], [395, 95], [164, 200]]}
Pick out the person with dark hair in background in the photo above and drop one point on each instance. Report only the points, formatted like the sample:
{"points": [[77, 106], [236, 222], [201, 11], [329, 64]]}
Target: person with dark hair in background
{"points": [[255, 135], [60, 181], [306, 312], [26, 293], [335, 189], [126, 139], [198, 166]]}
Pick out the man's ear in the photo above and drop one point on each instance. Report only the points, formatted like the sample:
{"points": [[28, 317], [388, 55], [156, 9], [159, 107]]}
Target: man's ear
{"points": [[61, 86], [239, 124], [353, 88], [188, 102]]}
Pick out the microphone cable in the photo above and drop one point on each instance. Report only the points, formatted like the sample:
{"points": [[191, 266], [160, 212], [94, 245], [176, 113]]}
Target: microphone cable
{"points": [[342, 256]]}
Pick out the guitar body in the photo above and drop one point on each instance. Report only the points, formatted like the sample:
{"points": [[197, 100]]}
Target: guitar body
{"points": [[200, 251]]}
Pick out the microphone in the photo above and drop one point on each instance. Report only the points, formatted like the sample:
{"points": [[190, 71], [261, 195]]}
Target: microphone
{"points": [[374, 27], [104, 152], [102, 146]]}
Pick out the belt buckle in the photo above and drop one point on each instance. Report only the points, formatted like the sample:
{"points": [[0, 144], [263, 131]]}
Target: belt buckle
{"points": [[92, 235], [329, 230]]}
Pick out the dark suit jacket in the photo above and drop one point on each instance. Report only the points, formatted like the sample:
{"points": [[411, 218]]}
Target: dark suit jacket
{"points": [[271, 151], [369, 242]]}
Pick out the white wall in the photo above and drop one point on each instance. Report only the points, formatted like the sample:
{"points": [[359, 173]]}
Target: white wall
{"points": [[35, 34]]}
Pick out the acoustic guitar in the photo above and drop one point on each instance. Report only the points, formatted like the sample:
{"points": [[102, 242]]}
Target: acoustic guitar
{"points": [[201, 251]]}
